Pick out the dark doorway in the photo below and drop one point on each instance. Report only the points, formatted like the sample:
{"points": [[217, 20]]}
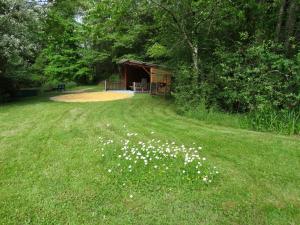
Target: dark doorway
{"points": [[136, 74]]}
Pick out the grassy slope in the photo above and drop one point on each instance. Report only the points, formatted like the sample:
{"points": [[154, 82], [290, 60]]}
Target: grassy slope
{"points": [[51, 171]]}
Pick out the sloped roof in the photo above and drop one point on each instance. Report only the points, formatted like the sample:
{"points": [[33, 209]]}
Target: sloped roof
{"points": [[137, 63]]}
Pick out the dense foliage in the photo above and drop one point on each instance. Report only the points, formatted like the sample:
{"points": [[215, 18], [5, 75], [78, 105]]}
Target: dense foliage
{"points": [[232, 56], [18, 44]]}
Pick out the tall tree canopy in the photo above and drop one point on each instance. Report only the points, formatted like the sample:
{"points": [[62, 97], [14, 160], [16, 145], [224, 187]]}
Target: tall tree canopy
{"points": [[237, 56], [19, 45]]}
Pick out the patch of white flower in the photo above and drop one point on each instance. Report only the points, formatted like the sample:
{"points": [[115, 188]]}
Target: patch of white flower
{"points": [[105, 142], [131, 134], [161, 156]]}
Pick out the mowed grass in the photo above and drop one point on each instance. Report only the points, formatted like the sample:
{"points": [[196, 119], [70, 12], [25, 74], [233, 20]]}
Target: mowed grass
{"points": [[52, 170]]}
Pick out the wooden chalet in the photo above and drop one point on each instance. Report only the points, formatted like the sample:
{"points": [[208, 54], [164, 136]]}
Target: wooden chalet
{"points": [[142, 77]]}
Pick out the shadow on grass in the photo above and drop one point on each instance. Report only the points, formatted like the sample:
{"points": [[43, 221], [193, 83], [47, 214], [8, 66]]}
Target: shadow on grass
{"points": [[21, 101]]}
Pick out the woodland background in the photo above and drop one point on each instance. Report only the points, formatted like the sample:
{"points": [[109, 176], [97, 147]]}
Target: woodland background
{"points": [[237, 57]]}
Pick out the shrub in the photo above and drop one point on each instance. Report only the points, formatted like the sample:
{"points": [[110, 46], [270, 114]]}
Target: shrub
{"points": [[50, 85], [257, 80], [186, 92], [114, 78], [255, 77], [71, 84]]}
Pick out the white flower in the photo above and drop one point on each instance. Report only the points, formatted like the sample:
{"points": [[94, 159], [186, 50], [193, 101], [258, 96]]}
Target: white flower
{"points": [[130, 196], [109, 170], [199, 172], [152, 132]]}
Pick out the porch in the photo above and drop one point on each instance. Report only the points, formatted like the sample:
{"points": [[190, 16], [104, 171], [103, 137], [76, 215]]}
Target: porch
{"points": [[141, 77], [136, 87]]}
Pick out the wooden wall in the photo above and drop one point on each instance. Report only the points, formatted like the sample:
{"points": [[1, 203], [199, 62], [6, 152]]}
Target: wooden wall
{"points": [[160, 81], [160, 76]]}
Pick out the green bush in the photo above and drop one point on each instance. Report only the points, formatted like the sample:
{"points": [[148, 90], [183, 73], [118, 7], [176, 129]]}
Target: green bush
{"points": [[70, 84], [186, 92], [114, 78], [50, 85], [255, 77], [256, 80]]}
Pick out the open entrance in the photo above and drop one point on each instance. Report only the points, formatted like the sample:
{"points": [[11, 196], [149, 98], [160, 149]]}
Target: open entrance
{"points": [[137, 76]]}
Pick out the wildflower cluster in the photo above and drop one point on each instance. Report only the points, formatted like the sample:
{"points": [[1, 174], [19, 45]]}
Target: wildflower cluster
{"points": [[157, 156]]}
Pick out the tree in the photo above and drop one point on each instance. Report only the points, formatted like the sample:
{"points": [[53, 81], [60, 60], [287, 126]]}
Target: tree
{"points": [[119, 29], [196, 24], [18, 44], [64, 57], [288, 23]]}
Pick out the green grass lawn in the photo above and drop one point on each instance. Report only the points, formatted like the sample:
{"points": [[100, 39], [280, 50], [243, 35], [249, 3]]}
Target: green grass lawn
{"points": [[54, 168]]}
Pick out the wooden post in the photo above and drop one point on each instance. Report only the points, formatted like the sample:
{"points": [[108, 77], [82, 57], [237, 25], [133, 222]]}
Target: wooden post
{"points": [[134, 86], [126, 78], [165, 78], [105, 85], [150, 86]]}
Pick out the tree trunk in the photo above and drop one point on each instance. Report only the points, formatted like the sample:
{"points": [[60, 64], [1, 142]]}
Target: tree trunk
{"points": [[297, 33], [195, 59], [280, 20], [2, 66], [290, 23]]}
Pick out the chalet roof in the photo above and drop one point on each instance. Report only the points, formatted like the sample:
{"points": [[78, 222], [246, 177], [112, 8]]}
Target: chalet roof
{"points": [[137, 63]]}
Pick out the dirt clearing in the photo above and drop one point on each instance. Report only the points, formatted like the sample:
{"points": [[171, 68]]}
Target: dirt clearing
{"points": [[93, 96]]}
